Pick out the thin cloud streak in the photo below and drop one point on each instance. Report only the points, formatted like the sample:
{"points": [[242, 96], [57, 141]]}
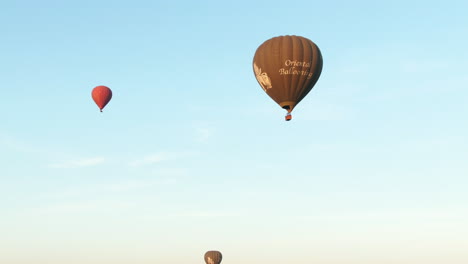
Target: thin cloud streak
{"points": [[78, 163], [203, 134], [89, 206], [151, 159], [119, 188], [209, 214], [158, 158]]}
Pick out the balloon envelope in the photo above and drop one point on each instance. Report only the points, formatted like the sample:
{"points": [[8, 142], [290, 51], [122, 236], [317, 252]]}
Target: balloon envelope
{"points": [[101, 96], [213, 257], [287, 68]]}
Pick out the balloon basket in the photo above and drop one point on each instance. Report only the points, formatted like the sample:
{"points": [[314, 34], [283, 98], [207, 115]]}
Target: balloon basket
{"points": [[288, 117]]}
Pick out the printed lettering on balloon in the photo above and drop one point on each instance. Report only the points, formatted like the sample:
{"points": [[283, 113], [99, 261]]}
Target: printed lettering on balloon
{"points": [[294, 67]]}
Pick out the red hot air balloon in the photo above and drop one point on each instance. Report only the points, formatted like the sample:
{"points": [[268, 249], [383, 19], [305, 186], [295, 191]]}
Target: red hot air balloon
{"points": [[287, 68], [101, 96]]}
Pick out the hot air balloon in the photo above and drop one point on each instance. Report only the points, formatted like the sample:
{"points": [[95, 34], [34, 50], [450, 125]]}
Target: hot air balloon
{"points": [[101, 96], [287, 68], [213, 257]]}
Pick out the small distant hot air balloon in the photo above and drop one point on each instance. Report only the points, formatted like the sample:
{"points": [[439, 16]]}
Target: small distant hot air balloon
{"points": [[213, 257], [101, 96], [287, 68]]}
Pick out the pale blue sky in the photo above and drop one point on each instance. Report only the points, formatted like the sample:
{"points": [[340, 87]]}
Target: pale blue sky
{"points": [[191, 155]]}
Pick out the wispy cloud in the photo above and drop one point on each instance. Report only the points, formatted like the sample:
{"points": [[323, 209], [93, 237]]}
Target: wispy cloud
{"points": [[16, 144], [203, 133], [415, 214], [112, 188], [171, 173], [209, 214], [151, 159], [78, 163], [131, 185], [158, 158], [84, 207]]}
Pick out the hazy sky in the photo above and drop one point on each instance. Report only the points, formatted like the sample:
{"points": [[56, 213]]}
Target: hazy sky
{"points": [[191, 155]]}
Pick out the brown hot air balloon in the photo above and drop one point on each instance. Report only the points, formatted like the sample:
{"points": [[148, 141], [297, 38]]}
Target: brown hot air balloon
{"points": [[213, 257], [287, 67], [101, 96]]}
